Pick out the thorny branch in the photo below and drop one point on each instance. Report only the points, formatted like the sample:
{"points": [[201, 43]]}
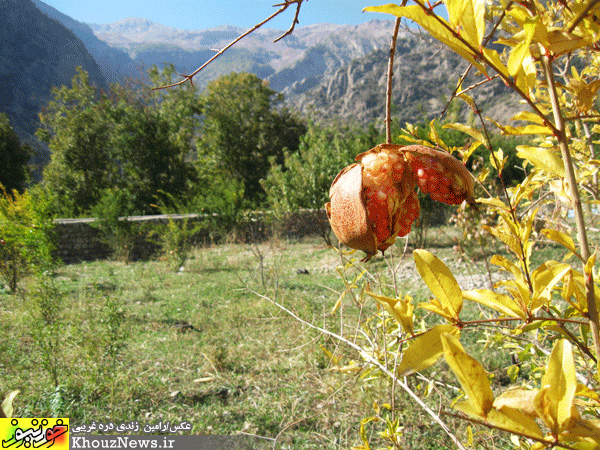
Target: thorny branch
{"points": [[282, 7]]}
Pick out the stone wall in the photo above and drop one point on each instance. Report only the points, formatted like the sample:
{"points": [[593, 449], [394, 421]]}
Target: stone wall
{"points": [[81, 240]]}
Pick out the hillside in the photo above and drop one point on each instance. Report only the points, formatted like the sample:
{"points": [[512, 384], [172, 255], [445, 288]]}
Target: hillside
{"points": [[424, 79], [37, 53], [327, 71], [114, 64]]}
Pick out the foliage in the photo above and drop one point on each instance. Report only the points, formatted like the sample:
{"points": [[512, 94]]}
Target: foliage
{"points": [[549, 304], [304, 177], [119, 141], [177, 236], [244, 130], [45, 302], [111, 212], [14, 157], [25, 236]]}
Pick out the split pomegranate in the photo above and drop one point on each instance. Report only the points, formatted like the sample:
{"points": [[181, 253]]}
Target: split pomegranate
{"points": [[375, 200]]}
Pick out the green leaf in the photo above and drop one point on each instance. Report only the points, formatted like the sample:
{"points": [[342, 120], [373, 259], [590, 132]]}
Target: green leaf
{"points": [[424, 351], [440, 281], [472, 376]]}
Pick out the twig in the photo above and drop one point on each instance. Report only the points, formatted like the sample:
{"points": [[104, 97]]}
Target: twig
{"points": [[283, 7], [575, 203], [374, 362], [583, 14], [390, 76], [295, 21], [473, 86]]}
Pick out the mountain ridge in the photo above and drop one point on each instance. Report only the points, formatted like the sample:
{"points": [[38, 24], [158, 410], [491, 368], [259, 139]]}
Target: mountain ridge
{"points": [[32, 62]]}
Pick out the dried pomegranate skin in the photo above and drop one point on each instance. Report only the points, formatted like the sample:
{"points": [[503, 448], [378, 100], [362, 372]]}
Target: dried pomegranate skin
{"points": [[374, 200], [347, 213], [387, 174]]}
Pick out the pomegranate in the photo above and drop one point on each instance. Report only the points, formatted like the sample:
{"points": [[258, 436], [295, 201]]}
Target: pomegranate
{"points": [[374, 200]]}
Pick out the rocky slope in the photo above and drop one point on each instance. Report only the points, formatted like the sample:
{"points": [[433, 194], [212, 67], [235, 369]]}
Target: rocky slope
{"points": [[425, 74], [328, 71], [36, 54], [115, 64]]}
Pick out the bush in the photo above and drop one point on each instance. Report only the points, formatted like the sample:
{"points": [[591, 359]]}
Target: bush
{"points": [[26, 238]]}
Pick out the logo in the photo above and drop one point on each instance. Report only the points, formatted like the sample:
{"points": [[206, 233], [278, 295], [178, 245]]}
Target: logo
{"points": [[35, 433]]}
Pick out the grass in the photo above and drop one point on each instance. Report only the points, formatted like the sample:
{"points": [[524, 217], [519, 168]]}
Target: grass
{"points": [[141, 342]]}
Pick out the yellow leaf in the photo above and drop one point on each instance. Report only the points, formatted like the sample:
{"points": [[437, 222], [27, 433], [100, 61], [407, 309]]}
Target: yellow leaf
{"points": [[560, 238], [332, 358], [400, 310], [438, 27], [440, 281], [507, 265], [584, 391], [559, 385], [561, 42], [581, 428], [493, 201], [517, 398], [475, 134], [517, 56], [544, 278], [528, 116], [338, 303], [470, 436], [498, 302], [7, 406], [494, 60], [508, 238], [424, 351], [543, 158], [589, 265], [467, 17], [471, 375], [515, 421]]}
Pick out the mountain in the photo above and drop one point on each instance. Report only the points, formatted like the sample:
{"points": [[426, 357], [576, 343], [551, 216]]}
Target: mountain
{"points": [[115, 64], [328, 71], [310, 52], [36, 54], [425, 74]]}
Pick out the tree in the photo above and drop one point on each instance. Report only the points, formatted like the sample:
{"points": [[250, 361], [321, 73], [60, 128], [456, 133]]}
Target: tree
{"points": [[76, 127], [122, 140], [13, 157], [544, 311], [304, 177], [243, 130]]}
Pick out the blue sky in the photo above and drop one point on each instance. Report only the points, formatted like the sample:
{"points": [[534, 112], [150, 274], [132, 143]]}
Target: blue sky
{"points": [[201, 14]]}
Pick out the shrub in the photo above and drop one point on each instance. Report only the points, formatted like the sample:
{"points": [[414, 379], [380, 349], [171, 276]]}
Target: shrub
{"points": [[26, 239]]}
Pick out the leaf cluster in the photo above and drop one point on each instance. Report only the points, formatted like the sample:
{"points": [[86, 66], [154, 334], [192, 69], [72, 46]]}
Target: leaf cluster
{"points": [[548, 305]]}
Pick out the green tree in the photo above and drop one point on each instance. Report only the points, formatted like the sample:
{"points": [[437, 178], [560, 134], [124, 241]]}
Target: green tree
{"points": [[75, 126], [13, 157], [304, 177], [243, 130], [122, 140]]}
